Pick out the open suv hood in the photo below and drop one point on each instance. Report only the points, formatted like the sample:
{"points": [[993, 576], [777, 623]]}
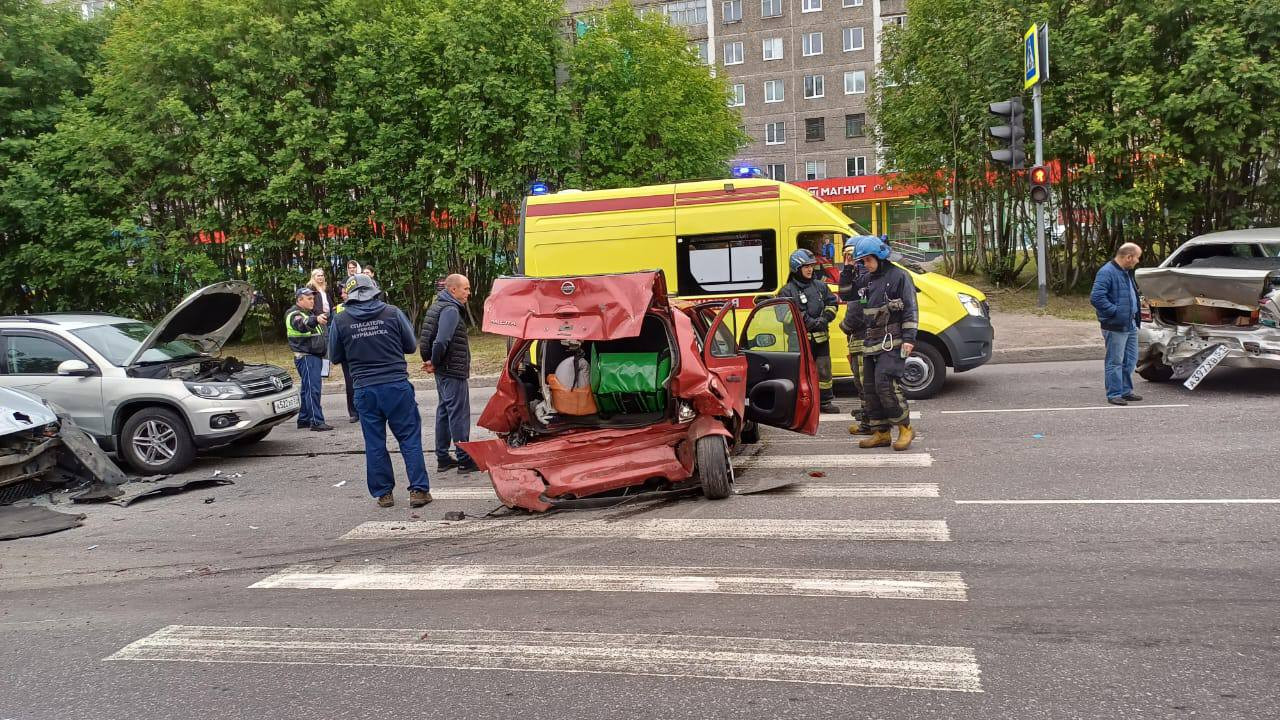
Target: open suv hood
{"points": [[205, 318]]}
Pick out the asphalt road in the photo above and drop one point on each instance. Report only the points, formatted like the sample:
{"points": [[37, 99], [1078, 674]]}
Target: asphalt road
{"points": [[897, 604]]}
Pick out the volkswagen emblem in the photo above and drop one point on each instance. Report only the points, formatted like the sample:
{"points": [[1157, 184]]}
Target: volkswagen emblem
{"points": [[276, 382], [568, 287]]}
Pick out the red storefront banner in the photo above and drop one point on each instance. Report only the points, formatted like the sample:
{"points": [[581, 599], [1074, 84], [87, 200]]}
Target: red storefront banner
{"points": [[859, 189]]}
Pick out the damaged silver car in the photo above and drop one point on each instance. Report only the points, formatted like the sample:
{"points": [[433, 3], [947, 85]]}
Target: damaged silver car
{"points": [[1215, 300], [155, 395], [28, 439]]}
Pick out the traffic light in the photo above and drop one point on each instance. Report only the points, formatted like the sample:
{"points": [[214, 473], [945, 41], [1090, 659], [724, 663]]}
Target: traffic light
{"points": [[1012, 134], [1039, 177]]}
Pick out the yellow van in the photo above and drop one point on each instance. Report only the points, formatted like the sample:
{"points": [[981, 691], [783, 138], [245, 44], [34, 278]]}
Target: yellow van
{"points": [[720, 239]]}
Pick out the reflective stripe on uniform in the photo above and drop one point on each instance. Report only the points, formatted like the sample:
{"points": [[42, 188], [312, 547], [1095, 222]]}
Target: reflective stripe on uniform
{"points": [[289, 330]]}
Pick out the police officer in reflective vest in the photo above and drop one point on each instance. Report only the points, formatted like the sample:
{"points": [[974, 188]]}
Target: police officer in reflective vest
{"points": [[888, 322], [305, 331], [818, 309]]}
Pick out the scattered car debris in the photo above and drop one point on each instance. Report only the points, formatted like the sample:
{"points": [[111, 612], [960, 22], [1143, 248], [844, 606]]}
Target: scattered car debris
{"points": [[765, 486], [340, 483], [92, 547], [19, 521], [138, 490], [208, 501], [455, 515], [817, 474]]}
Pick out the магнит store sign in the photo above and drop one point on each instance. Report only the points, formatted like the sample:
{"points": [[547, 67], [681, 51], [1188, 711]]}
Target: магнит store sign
{"points": [[866, 187]]}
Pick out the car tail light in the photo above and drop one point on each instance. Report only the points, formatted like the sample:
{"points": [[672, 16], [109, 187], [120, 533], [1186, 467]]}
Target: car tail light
{"points": [[1146, 311]]}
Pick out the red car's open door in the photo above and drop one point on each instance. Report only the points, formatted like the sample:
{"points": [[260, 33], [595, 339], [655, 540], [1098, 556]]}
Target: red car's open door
{"points": [[782, 377]]}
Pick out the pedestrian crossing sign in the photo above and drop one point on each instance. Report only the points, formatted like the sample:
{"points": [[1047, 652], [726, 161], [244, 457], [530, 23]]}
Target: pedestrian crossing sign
{"points": [[1031, 49]]}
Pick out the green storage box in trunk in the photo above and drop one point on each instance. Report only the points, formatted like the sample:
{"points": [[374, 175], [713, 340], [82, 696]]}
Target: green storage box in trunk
{"points": [[629, 383]]}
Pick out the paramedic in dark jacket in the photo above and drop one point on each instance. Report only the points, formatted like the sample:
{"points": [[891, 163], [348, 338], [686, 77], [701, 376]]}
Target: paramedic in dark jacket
{"points": [[371, 339], [1115, 300], [888, 321], [446, 353], [850, 279], [818, 307], [304, 329]]}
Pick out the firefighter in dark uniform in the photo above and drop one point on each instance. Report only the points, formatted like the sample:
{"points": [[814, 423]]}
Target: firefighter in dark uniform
{"points": [[888, 322], [818, 308], [851, 275]]}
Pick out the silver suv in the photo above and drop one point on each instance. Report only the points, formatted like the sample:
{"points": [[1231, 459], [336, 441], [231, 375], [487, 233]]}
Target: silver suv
{"points": [[154, 395]]}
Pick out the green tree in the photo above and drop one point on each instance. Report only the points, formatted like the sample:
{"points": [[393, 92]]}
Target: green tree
{"points": [[644, 109]]}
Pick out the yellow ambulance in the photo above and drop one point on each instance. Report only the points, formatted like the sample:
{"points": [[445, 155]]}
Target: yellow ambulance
{"points": [[720, 239]]}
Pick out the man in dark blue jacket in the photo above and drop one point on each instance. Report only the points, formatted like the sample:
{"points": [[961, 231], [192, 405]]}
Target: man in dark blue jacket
{"points": [[1115, 299], [371, 339], [446, 353]]}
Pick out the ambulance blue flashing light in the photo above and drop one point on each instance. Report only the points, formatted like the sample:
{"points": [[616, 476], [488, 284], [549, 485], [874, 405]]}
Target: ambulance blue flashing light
{"points": [[746, 171], [539, 188]]}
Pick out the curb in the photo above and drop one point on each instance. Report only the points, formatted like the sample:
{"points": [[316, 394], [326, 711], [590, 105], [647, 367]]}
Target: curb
{"points": [[337, 388], [1051, 353]]}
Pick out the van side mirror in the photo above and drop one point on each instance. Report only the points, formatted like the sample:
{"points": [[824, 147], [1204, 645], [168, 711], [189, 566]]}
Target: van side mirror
{"points": [[76, 368]]}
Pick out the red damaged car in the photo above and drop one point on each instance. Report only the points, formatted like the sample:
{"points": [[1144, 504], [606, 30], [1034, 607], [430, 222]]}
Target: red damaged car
{"points": [[610, 389]]}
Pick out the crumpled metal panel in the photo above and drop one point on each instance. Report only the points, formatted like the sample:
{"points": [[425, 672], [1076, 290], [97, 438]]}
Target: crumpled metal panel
{"points": [[1223, 287], [589, 307]]}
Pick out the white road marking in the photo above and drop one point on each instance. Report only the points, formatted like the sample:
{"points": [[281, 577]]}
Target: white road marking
{"points": [[561, 526], [800, 489], [1177, 501], [865, 460], [847, 418], [1062, 409], [893, 585], [913, 667]]}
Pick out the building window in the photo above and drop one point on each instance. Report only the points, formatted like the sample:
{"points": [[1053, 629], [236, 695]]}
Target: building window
{"points": [[732, 11], [739, 96], [853, 39], [773, 92], [811, 43], [700, 47], [895, 21], [855, 82], [778, 172], [686, 12], [813, 87], [851, 3], [855, 125], [815, 129], [855, 166], [733, 53], [770, 8], [811, 6], [735, 262], [815, 170], [773, 48], [775, 133]]}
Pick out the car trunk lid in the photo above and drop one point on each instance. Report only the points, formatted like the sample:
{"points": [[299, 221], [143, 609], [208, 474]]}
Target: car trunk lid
{"points": [[586, 307], [1231, 288]]}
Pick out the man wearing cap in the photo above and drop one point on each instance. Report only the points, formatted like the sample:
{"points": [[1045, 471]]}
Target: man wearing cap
{"points": [[888, 319], [371, 339], [305, 331]]}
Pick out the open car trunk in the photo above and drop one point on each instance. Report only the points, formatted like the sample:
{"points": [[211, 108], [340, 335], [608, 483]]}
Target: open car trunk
{"points": [[1220, 291], [613, 383]]}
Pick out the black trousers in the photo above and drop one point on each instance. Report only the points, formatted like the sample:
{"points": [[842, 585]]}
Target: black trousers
{"points": [[351, 393], [882, 397]]}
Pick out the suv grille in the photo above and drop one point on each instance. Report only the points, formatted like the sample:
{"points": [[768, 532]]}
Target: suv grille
{"points": [[266, 385]]}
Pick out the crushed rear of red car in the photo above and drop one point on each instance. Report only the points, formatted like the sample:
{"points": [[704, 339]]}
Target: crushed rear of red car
{"points": [[611, 390]]}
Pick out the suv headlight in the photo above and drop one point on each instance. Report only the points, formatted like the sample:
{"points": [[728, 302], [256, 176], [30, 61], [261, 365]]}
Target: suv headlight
{"points": [[972, 305], [216, 390]]}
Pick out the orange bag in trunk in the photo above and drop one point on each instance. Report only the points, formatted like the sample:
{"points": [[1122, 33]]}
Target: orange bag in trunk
{"points": [[575, 401]]}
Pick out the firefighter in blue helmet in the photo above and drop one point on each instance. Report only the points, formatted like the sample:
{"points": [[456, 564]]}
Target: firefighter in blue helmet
{"points": [[818, 310], [884, 313]]}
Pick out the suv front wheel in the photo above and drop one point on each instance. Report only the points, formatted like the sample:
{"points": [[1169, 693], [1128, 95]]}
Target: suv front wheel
{"points": [[155, 441]]}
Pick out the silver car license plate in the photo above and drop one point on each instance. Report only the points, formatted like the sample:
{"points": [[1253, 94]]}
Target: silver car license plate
{"points": [[1208, 365], [287, 404]]}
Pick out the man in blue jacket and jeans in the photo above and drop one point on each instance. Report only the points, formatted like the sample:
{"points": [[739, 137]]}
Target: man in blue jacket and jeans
{"points": [[1115, 299], [371, 339]]}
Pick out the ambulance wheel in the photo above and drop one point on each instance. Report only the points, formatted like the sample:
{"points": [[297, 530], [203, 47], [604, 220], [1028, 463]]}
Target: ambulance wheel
{"points": [[714, 467], [750, 432], [925, 373]]}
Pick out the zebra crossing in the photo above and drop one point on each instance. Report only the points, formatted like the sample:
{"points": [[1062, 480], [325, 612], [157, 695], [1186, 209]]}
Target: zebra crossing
{"points": [[746, 656]]}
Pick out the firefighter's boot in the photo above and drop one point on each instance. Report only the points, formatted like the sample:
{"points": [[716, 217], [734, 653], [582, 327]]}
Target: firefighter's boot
{"points": [[879, 438], [905, 436], [859, 428]]}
